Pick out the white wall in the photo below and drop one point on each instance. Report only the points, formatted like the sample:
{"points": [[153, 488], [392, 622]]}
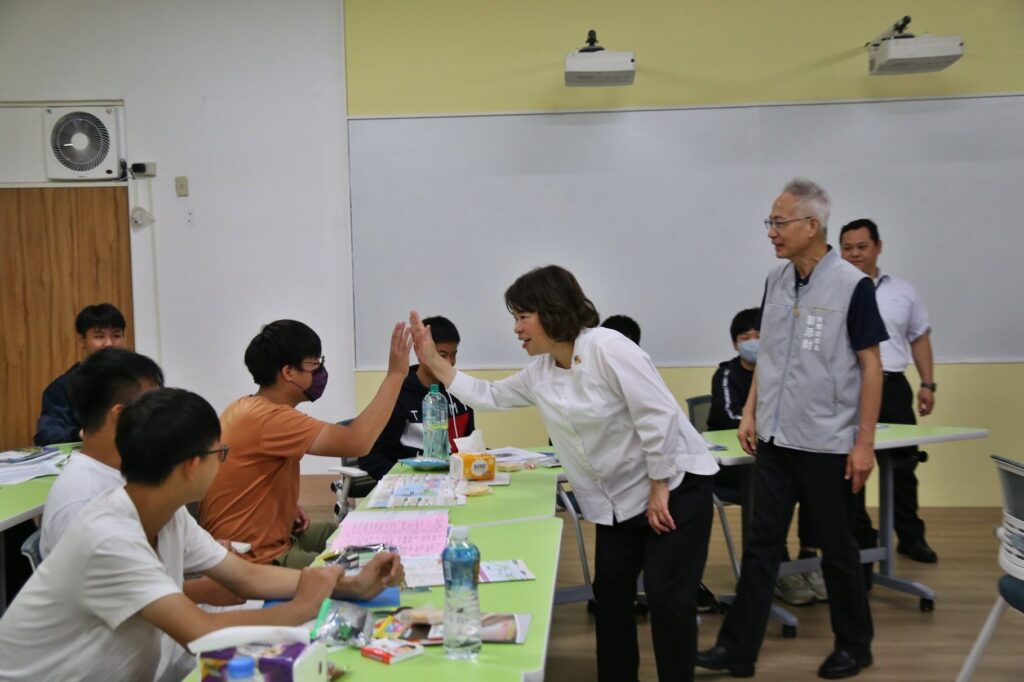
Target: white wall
{"points": [[247, 99]]}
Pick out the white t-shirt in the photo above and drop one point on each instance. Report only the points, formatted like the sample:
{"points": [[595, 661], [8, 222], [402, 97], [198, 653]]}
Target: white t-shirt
{"points": [[613, 421], [82, 481], [77, 618]]}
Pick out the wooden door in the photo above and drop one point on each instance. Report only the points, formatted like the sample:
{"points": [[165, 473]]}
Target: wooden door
{"points": [[61, 249]]}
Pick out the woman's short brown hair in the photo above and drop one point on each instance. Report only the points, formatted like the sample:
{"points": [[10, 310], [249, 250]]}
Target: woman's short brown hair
{"points": [[554, 294]]}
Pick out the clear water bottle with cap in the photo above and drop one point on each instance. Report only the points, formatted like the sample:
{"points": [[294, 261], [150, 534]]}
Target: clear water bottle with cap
{"points": [[243, 669], [461, 561], [435, 425]]}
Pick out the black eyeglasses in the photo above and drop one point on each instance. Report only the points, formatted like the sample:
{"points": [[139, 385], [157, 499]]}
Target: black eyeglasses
{"points": [[221, 452], [769, 223]]}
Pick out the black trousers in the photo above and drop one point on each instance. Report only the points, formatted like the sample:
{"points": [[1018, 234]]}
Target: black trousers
{"points": [[897, 408], [783, 477], [672, 564]]}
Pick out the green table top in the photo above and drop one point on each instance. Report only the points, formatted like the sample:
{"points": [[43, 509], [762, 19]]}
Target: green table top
{"points": [[531, 495], [23, 501], [535, 542], [888, 436]]}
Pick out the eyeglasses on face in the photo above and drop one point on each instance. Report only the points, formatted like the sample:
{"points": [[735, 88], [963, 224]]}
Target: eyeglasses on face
{"points": [[318, 363], [770, 223], [221, 452]]}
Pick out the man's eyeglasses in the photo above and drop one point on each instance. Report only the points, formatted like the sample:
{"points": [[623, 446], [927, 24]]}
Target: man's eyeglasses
{"points": [[769, 223], [221, 452], [319, 362]]}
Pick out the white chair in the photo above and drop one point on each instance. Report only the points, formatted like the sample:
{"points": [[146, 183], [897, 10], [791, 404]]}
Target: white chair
{"points": [[1011, 559], [30, 550]]}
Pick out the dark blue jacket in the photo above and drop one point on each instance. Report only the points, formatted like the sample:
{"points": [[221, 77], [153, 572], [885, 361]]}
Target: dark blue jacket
{"points": [[58, 422]]}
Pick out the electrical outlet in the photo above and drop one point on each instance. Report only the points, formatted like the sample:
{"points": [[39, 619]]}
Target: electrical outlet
{"points": [[181, 185]]}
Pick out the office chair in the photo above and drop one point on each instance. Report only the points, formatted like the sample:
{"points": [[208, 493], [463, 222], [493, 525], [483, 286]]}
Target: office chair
{"points": [[1011, 559], [699, 409], [30, 549], [354, 482]]}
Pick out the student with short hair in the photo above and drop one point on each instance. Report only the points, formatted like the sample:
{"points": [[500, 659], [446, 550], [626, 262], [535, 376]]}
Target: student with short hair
{"points": [[104, 383], [255, 498], [97, 326], [403, 435], [96, 607], [625, 325]]}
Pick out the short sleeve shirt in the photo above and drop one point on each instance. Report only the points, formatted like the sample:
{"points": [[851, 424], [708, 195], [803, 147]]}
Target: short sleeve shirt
{"points": [[82, 480], [256, 492], [77, 618]]}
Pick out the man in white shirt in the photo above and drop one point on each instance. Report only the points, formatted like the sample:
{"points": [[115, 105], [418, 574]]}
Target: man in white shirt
{"points": [[906, 320], [101, 387], [96, 607]]}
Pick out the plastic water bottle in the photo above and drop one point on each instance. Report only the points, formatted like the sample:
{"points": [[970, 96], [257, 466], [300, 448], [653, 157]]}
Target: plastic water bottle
{"points": [[243, 669], [461, 560], [435, 425]]}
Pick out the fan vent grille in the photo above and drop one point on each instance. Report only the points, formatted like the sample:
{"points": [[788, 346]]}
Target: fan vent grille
{"points": [[80, 141]]}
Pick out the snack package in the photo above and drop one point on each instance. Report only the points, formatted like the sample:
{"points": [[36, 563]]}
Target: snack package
{"points": [[473, 466], [391, 651], [282, 654], [342, 623]]}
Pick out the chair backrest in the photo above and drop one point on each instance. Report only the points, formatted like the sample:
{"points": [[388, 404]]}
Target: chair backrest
{"points": [[1011, 552], [699, 409], [30, 549]]}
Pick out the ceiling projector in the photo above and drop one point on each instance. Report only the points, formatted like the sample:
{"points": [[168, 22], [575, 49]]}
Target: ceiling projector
{"points": [[592, 65], [895, 52]]}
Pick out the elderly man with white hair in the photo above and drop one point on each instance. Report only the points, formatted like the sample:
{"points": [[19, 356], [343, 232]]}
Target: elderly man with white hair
{"points": [[810, 420]]}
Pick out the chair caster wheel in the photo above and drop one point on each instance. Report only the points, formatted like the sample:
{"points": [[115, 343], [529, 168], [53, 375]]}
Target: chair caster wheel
{"points": [[789, 631], [927, 605]]}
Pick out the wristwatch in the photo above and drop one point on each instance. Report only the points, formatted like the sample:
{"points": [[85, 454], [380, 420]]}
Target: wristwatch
{"points": [[930, 387]]}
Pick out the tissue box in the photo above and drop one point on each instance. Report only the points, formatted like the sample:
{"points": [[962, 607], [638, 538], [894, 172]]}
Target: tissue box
{"points": [[472, 466], [276, 662], [282, 654]]}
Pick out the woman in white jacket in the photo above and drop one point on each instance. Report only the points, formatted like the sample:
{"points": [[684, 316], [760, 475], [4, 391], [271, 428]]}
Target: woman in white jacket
{"points": [[639, 469]]}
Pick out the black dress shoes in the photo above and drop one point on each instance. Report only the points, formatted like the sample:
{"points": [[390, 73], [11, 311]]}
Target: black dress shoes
{"points": [[842, 663], [717, 658], [918, 551]]}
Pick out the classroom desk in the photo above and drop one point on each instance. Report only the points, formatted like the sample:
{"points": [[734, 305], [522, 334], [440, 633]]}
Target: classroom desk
{"points": [[19, 503], [531, 495], [888, 437]]}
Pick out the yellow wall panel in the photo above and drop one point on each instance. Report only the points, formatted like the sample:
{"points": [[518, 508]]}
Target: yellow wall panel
{"points": [[406, 57]]}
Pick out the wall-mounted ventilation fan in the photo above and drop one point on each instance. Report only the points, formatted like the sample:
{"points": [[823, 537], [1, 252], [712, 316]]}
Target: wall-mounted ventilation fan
{"points": [[81, 143]]}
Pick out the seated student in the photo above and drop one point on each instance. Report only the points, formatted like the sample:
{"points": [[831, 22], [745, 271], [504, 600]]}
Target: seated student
{"points": [[255, 498], [403, 435], [98, 326], [625, 325], [96, 607], [103, 384], [729, 388]]}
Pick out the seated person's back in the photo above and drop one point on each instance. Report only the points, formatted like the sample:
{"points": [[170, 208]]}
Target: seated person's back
{"points": [[97, 326], [403, 435], [104, 382]]}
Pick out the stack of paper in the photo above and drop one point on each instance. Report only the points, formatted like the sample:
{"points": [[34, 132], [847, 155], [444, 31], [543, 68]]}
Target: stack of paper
{"points": [[413, 532], [18, 466]]}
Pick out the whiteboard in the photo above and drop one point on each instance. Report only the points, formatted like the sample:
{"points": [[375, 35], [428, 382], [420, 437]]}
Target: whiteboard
{"points": [[659, 214]]}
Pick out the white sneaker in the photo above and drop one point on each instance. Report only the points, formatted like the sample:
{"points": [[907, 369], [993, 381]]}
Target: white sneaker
{"points": [[816, 581], [793, 589]]}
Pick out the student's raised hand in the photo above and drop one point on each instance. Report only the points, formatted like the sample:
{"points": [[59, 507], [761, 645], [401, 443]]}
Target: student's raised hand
{"points": [[401, 344], [315, 585], [383, 570]]}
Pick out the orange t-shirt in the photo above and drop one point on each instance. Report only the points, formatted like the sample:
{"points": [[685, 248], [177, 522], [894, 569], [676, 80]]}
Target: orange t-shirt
{"points": [[256, 492]]}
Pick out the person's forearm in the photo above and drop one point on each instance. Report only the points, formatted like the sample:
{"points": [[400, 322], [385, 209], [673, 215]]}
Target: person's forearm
{"points": [[870, 395], [443, 370], [367, 427], [921, 350], [258, 581]]}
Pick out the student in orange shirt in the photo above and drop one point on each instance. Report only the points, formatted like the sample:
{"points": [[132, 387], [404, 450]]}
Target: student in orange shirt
{"points": [[255, 495]]}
